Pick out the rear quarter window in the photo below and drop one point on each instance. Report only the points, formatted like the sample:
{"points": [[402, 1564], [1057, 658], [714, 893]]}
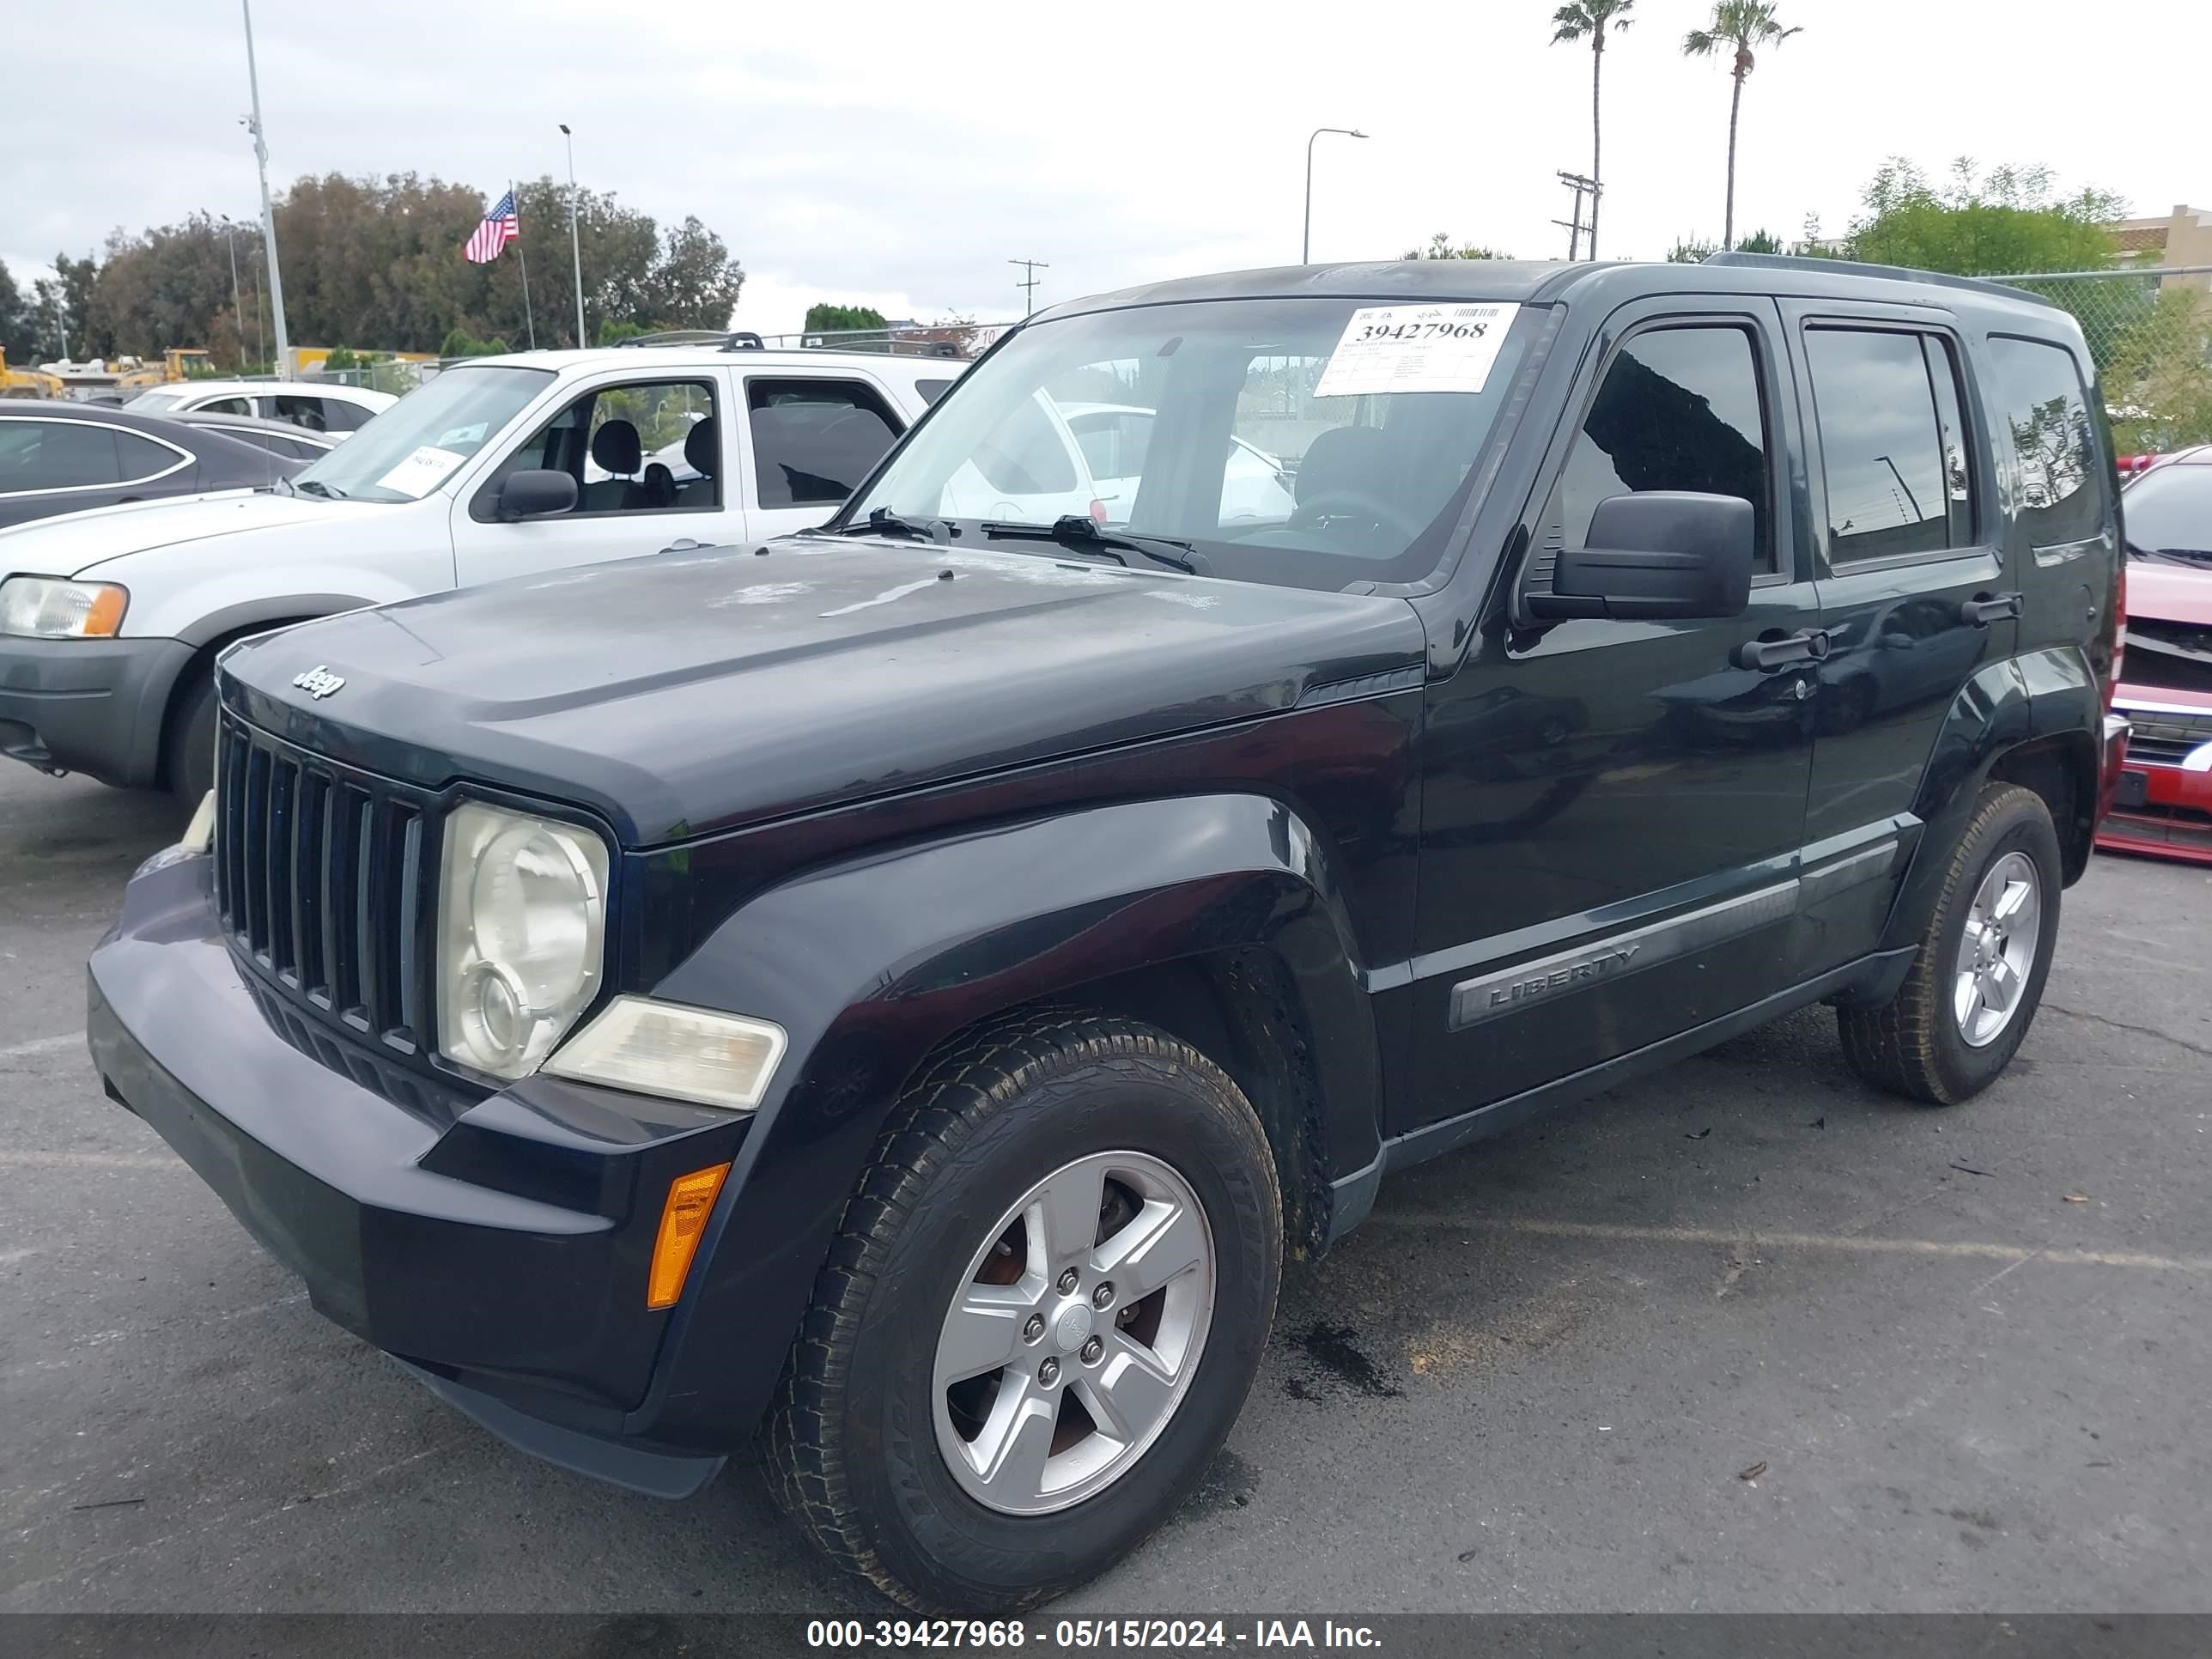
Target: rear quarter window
{"points": [[2061, 481]]}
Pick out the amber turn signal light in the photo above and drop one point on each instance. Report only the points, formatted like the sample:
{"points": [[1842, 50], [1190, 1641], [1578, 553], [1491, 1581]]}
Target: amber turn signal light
{"points": [[690, 1200]]}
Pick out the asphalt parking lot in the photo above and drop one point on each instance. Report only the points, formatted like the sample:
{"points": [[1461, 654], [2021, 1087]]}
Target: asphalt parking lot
{"points": [[1743, 1336]]}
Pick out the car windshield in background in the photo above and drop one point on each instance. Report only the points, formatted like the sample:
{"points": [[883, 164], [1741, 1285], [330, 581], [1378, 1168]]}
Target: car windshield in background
{"points": [[1304, 442], [2169, 510], [407, 451]]}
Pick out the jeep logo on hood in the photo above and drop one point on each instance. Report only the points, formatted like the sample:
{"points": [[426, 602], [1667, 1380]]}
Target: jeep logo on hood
{"points": [[318, 682]]}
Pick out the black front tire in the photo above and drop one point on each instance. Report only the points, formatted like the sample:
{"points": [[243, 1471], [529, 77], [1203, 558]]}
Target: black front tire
{"points": [[851, 1440], [190, 740], [1912, 1045]]}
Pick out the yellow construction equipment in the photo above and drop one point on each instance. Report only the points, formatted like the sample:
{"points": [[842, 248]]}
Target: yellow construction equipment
{"points": [[26, 382]]}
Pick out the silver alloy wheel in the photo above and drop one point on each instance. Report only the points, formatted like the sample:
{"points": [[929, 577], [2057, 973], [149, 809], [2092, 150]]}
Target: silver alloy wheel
{"points": [[1045, 1396], [1996, 950]]}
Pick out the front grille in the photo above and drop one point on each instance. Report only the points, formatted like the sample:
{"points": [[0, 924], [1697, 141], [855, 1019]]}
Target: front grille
{"points": [[2158, 738], [325, 878]]}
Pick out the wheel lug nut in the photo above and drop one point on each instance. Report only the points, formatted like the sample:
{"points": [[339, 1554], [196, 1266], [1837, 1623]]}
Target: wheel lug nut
{"points": [[1033, 1328], [1048, 1373], [1093, 1351], [1103, 1296], [1068, 1281]]}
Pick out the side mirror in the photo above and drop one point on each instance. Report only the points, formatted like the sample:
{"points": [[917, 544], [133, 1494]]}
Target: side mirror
{"points": [[1662, 553], [539, 494]]}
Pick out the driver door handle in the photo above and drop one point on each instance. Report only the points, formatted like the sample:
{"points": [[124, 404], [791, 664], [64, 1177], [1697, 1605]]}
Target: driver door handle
{"points": [[1810, 645], [1981, 611]]}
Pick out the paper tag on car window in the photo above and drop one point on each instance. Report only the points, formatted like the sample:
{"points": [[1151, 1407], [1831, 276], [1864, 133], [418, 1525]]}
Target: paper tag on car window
{"points": [[1416, 348], [421, 472]]}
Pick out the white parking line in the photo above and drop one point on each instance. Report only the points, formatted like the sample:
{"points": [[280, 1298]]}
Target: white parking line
{"points": [[43, 1046], [2014, 1254]]}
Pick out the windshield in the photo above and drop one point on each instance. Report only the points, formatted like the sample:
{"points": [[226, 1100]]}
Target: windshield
{"points": [[415, 446], [2170, 508], [157, 400], [1304, 442]]}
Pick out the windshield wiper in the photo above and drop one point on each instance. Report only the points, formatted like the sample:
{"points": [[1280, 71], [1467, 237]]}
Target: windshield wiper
{"points": [[884, 522], [320, 488], [1070, 530]]}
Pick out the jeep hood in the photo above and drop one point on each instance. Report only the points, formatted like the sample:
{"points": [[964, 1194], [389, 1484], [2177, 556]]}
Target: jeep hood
{"points": [[687, 693], [2170, 592], [75, 543]]}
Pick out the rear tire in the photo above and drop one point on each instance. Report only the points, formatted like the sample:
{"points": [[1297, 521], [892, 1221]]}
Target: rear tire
{"points": [[867, 1438], [1940, 1039], [191, 739]]}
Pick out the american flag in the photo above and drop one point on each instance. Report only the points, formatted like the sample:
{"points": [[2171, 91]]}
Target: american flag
{"points": [[499, 227]]}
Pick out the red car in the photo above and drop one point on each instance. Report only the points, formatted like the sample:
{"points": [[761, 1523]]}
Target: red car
{"points": [[2164, 800]]}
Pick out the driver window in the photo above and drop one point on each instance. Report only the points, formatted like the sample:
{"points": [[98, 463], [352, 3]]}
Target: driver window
{"points": [[1679, 409], [631, 448]]}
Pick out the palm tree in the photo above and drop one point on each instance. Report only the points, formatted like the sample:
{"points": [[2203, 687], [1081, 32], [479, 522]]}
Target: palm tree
{"points": [[1737, 26], [1588, 20]]}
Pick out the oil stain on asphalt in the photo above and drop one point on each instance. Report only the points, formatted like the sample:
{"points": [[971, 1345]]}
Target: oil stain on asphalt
{"points": [[1333, 1364]]}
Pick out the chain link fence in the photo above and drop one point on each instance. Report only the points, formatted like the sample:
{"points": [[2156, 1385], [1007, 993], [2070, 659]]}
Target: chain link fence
{"points": [[2150, 332]]}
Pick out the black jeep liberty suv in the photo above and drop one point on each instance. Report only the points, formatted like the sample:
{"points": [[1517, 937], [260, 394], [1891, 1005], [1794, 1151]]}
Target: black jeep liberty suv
{"points": [[910, 984]]}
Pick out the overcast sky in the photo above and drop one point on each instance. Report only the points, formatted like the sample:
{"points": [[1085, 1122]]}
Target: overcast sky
{"points": [[900, 156]]}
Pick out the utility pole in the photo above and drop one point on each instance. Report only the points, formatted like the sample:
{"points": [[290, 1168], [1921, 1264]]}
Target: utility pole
{"points": [[1029, 282], [575, 246], [268, 213], [1582, 187]]}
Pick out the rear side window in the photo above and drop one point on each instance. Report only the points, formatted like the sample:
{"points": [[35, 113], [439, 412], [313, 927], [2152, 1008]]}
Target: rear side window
{"points": [[339, 415], [2062, 487], [56, 455], [139, 458], [1892, 445], [301, 411], [814, 441], [1679, 409]]}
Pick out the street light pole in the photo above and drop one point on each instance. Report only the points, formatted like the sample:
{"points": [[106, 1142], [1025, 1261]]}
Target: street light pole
{"points": [[575, 247], [1305, 246], [268, 213]]}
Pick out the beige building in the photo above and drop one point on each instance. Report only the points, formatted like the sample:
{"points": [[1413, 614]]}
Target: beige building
{"points": [[2183, 237]]}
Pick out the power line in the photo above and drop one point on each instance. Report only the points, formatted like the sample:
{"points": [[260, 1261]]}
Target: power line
{"points": [[1029, 282]]}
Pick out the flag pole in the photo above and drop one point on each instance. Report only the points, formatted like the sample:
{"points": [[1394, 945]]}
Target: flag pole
{"points": [[522, 259]]}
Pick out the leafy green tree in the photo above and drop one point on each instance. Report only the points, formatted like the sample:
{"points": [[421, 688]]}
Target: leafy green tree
{"points": [[613, 331], [1442, 248], [1736, 28], [2005, 222], [2158, 383], [19, 323], [826, 318], [459, 343], [1590, 20], [1691, 252]]}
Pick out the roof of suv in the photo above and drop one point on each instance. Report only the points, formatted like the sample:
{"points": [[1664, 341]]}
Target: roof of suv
{"points": [[712, 356], [1540, 282]]}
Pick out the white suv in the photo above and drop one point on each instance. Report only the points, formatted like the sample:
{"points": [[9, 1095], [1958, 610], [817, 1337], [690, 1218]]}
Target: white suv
{"points": [[111, 620]]}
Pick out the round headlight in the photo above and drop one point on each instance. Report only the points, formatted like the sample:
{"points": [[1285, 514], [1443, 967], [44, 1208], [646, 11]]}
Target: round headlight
{"points": [[522, 920], [530, 906]]}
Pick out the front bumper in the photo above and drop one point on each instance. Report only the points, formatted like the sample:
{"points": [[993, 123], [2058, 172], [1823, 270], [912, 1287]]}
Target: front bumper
{"points": [[498, 1244], [2161, 806], [90, 706]]}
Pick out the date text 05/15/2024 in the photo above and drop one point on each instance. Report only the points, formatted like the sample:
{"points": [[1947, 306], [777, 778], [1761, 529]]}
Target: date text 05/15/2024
{"points": [[1005, 1635]]}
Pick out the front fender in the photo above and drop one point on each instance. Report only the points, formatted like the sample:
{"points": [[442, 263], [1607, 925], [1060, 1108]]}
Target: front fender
{"points": [[870, 964]]}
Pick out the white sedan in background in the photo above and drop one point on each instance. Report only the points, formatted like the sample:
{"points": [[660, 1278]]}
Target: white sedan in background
{"points": [[314, 405]]}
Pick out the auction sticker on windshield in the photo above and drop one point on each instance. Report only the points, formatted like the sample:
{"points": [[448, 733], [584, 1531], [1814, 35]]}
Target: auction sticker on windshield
{"points": [[421, 472], [1416, 348]]}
